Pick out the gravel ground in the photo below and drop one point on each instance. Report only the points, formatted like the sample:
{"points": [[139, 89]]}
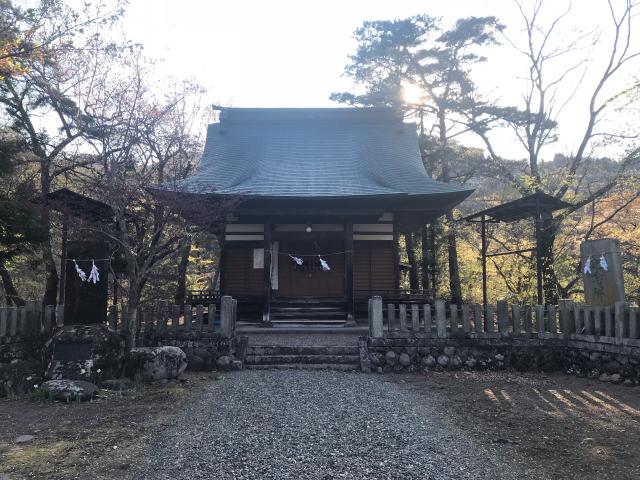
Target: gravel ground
{"points": [[320, 425]]}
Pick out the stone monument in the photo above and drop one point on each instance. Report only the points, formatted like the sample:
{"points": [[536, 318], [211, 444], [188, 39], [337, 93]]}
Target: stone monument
{"points": [[601, 266]]}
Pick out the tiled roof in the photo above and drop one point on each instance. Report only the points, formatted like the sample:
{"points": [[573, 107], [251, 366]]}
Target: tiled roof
{"points": [[336, 152]]}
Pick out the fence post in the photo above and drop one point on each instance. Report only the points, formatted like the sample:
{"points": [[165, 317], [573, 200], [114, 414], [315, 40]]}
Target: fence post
{"points": [[188, 318], [453, 319], [3, 322], [621, 328], [391, 316], [375, 317], [415, 317], [586, 318], [553, 324], [199, 317], [597, 321], [489, 324], [608, 322], [502, 309], [540, 319], [516, 319], [211, 316], [112, 317], [466, 322], [441, 319], [477, 318], [527, 319], [565, 307], [227, 319], [427, 318], [633, 322], [402, 315], [13, 321]]}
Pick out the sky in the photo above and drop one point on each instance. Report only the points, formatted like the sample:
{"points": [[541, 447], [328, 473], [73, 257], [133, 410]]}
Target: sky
{"points": [[286, 53]]}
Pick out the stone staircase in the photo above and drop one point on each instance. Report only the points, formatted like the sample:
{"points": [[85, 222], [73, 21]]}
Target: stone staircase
{"points": [[309, 357], [319, 311]]}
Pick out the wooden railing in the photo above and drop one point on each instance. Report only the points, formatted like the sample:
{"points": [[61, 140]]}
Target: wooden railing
{"points": [[161, 317], [30, 320], [620, 323]]}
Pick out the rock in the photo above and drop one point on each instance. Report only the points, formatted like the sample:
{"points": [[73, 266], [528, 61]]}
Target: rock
{"points": [[70, 390], [195, 362], [628, 382], [612, 367], [429, 361], [443, 360], [449, 351], [236, 365], [595, 356], [471, 362], [380, 370], [224, 362], [499, 357], [391, 358], [456, 362], [116, 384], [411, 351], [376, 358], [102, 349], [604, 377], [156, 363], [615, 378], [24, 438], [595, 373], [405, 359]]}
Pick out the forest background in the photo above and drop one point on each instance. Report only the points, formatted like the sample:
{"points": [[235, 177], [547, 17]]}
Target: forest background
{"points": [[85, 108]]}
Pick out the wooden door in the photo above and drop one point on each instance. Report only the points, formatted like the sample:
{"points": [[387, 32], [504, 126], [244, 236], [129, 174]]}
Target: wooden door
{"points": [[310, 280]]}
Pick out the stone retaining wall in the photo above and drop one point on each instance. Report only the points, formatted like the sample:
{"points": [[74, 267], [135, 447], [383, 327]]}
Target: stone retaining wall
{"points": [[204, 350], [20, 364], [596, 358]]}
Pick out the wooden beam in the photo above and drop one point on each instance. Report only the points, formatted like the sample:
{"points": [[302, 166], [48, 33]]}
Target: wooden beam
{"points": [[266, 312], [348, 270]]}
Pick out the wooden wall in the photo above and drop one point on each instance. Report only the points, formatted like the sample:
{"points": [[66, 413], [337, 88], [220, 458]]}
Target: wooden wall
{"points": [[240, 278], [373, 266]]}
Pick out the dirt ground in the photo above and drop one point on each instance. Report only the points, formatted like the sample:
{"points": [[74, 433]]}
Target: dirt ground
{"points": [[571, 427]]}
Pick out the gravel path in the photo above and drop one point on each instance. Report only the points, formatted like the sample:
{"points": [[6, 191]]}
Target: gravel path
{"points": [[319, 425]]}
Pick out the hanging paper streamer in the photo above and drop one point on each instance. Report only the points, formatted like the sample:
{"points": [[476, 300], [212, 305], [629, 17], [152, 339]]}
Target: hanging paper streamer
{"points": [[603, 263], [587, 266], [94, 275], [324, 264], [81, 274], [298, 260]]}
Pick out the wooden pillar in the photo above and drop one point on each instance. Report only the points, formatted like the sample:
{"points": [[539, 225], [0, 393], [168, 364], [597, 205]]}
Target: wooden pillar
{"points": [[63, 258], [348, 271], [266, 311], [396, 256], [538, 256], [484, 261]]}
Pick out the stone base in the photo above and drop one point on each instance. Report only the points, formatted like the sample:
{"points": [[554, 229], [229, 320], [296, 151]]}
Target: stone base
{"points": [[84, 352]]}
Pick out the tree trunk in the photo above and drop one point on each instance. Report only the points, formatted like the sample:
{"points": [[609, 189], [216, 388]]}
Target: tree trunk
{"points": [[413, 263], [452, 245], [51, 272], [547, 259], [181, 289], [10, 291], [425, 272]]}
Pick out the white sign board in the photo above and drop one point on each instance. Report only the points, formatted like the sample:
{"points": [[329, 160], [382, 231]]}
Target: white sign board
{"points": [[258, 258]]}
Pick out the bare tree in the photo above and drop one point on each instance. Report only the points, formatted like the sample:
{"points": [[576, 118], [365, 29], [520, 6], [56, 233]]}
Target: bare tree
{"points": [[555, 79]]}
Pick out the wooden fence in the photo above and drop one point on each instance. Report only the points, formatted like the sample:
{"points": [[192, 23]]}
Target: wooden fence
{"points": [[32, 320], [620, 323]]}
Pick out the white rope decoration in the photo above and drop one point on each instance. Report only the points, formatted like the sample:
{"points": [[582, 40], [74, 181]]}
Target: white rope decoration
{"points": [[94, 275], [81, 274], [603, 263], [323, 263], [587, 266], [297, 260]]}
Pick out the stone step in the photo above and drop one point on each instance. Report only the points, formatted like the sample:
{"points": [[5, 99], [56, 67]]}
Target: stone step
{"points": [[302, 350], [307, 366], [307, 313], [300, 359]]}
